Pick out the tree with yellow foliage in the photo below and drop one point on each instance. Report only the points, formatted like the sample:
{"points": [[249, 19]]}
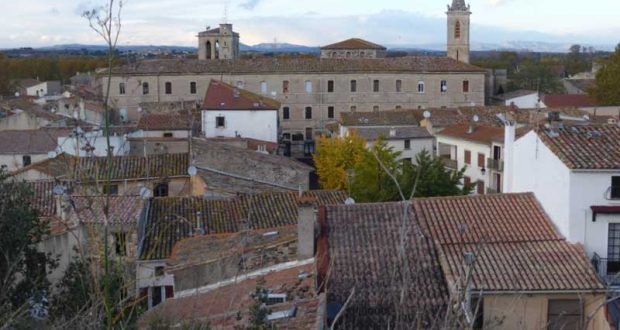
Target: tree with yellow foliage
{"points": [[335, 156]]}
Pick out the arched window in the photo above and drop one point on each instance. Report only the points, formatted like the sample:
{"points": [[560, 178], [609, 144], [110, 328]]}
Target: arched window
{"points": [[457, 30], [209, 50], [217, 49]]}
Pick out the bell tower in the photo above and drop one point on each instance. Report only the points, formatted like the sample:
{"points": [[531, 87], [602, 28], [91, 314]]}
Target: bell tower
{"points": [[458, 30], [218, 44]]}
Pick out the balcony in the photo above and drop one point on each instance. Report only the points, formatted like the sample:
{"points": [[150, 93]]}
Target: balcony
{"points": [[450, 163], [608, 269], [495, 164]]}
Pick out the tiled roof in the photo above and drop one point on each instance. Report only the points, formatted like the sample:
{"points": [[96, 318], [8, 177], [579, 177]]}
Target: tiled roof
{"points": [[170, 220], [481, 133], [122, 209], [43, 199], [514, 94], [27, 83], [517, 247], [297, 65], [363, 244], [88, 169], [581, 147], [222, 96], [164, 122], [568, 100], [395, 133], [380, 118], [354, 43], [227, 307], [24, 142]]}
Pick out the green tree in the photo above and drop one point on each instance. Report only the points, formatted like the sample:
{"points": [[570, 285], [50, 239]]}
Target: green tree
{"points": [[5, 81], [374, 174], [538, 76], [23, 269], [430, 178], [576, 60], [607, 88]]}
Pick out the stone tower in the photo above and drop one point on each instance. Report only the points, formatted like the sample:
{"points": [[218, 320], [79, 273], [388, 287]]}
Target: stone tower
{"points": [[458, 30], [218, 44]]}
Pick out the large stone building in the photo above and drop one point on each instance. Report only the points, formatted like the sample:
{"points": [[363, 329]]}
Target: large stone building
{"points": [[312, 91]]}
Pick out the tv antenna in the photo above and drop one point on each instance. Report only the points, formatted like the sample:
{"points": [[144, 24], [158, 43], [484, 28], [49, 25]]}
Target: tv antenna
{"points": [[226, 12]]}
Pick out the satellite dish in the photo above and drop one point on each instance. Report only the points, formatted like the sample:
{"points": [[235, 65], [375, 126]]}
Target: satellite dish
{"points": [[349, 201], [192, 171], [427, 114], [51, 154], [476, 118], [274, 94], [58, 190], [140, 109], [17, 94], [145, 192]]}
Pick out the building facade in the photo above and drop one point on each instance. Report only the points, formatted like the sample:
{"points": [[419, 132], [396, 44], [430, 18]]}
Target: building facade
{"points": [[458, 30]]}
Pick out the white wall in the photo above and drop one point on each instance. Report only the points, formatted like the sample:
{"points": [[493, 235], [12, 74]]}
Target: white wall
{"points": [[474, 170], [145, 278], [260, 125], [176, 134], [526, 102], [15, 162]]}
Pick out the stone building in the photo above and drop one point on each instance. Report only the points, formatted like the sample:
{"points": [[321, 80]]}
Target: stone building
{"points": [[219, 43], [458, 30], [353, 48], [312, 91]]}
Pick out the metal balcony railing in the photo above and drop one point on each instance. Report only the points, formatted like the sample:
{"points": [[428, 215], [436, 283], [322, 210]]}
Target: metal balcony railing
{"points": [[495, 164], [608, 269]]}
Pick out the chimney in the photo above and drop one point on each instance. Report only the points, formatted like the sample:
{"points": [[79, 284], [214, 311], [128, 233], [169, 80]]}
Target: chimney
{"points": [[509, 141], [306, 223]]}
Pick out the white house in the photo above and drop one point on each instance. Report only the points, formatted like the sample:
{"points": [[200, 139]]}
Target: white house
{"points": [[230, 112], [46, 88], [574, 171], [478, 148], [523, 99]]}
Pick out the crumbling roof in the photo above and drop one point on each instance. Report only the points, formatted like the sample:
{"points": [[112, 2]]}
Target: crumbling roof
{"points": [[380, 118], [164, 122], [227, 307], [363, 251], [516, 246], [296, 65], [584, 147], [43, 199], [393, 133], [89, 169], [221, 96], [30, 142], [172, 219], [354, 43]]}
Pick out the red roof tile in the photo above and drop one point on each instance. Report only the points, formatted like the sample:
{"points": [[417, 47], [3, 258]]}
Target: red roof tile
{"points": [[222, 96], [354, 43], [122, 209], [568, 100], [164, 122], [581, 147]]}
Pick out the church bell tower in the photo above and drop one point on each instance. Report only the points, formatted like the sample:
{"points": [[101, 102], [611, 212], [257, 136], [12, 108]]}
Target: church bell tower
{"points": [[458, 30]]}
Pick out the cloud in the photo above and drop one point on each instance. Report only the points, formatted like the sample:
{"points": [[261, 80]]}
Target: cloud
{"points": [[250, 4]]}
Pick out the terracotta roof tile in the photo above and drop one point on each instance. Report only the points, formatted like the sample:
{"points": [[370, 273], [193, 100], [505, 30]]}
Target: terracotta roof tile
{"points": [[297, 65], [123, 209], [222, 96], [170, 220], [568, 100], [380, 118], [363, 253], [164, 122], [354, 43], [580, 147], [43, 199]]}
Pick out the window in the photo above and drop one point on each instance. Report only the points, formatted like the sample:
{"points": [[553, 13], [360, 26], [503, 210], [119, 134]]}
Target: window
{"points": [[375, 86], [286, 113], [564, 314], [156, 296], [615, 187], [443, 86], [121, 88], [457, 30], [353, 86], [263, 87], [613, 248], [220, 122], [407, 144], [110, 189], [399, 107], [159, 271], [308, 86], [362, 54], [26, 160], [330, 86], [161, 190], [399, 86], [168, 135], [465, 86], [120, 244], [168, 88], [309, 132], [192, 87], [353, 108], [481, 160], [468, 157], [420, 87], [285, 86], [169, 291], [298, 137], [308, 112], [145, 88], [480, 187], [375, 108], [330, 112]]}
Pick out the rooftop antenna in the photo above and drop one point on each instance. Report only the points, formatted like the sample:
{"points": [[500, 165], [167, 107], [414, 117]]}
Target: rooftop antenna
{"points": [[226, 12]]}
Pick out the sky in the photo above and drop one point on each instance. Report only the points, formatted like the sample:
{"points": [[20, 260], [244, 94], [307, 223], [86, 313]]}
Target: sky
{"points": [[37, 23]]}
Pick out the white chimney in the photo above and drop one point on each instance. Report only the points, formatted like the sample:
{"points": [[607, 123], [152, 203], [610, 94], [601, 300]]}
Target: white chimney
{"points": [[509, 142], [306, 223]]}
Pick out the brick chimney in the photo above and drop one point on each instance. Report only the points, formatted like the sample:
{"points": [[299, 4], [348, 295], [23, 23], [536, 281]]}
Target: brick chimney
{"points": [[306, 224]]}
